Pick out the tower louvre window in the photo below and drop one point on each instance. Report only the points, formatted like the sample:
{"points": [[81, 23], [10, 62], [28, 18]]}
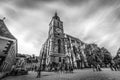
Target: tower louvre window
{"points": [[56, 23]]}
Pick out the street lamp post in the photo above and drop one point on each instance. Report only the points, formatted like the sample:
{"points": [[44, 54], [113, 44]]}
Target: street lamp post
{"points": [[39, 70]]}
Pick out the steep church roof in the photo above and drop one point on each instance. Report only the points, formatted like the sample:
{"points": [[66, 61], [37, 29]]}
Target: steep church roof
{"points": [[4, 32], [77, 39]]}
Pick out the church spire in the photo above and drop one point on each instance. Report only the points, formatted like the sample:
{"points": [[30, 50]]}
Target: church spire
{"points": [[56, 16], [55, 13]]}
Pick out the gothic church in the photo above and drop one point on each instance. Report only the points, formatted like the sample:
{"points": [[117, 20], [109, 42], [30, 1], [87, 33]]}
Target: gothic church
{"points": [[60, 47]]}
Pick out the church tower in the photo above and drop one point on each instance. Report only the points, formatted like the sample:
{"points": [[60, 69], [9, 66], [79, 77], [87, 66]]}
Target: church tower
{"points": [[56, 36]]}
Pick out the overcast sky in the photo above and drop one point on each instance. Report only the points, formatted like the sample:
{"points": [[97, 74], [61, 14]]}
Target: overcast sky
{"points": [[89, 20]]}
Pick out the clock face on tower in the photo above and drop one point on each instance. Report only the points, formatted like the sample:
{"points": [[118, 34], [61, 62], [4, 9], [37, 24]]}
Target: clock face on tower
{"points": [[58, 30]]}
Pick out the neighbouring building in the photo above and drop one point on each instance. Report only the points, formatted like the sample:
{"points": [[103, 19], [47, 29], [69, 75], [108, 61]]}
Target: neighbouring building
{"points": [[27, 61], [118, 53], [8, 48], [117, 56]]}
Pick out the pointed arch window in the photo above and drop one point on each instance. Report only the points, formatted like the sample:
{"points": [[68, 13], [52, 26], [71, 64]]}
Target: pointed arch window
{"points": [[59, 46]]}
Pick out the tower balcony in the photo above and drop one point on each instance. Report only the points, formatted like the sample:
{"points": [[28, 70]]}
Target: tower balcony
{"points": [[57, 55]]}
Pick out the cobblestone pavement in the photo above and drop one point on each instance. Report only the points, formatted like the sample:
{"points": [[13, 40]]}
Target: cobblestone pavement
{"points": [[85, 74]]}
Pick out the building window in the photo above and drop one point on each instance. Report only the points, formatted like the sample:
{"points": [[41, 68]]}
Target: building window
{"points": [[59, 59], [59, 46], [74, 50]]}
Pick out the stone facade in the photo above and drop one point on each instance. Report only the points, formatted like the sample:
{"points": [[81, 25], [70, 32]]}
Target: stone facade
{"points": [[8, 48]]}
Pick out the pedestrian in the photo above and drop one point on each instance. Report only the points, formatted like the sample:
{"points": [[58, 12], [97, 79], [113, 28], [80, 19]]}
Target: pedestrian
{"points": [[66, 67], [13, 70], [39, 73], [112, 65], [71, 69]]}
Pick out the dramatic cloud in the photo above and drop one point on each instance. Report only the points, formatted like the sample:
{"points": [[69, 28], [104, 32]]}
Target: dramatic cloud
{"points": [[92, 21]]}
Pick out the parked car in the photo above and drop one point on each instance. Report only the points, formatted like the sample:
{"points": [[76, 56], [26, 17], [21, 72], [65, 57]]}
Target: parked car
{"points": [[19, 71]]}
